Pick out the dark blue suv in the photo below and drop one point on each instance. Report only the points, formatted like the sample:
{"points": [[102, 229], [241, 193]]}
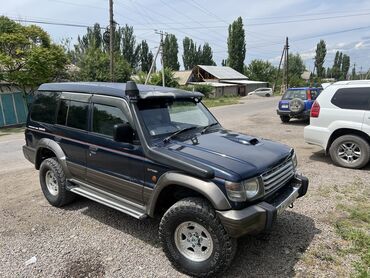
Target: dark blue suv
{"points": [[151, 151], [297, 103]]}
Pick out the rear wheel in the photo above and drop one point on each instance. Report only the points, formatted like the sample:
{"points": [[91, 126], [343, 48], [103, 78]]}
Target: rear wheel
{"points": [[53, 183], [194, 239], [285, 119], [350, 151]]}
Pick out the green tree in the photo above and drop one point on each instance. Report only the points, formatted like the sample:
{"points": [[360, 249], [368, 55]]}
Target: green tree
{"points": [[345, 67], [206, 56], [189, 57], [170, 79], [260, 70], [296, 68], [146, 57], [320, 58], [170, 52], [130, 50], [236, 45], [27, 56], [354, 75], [94, 65]]}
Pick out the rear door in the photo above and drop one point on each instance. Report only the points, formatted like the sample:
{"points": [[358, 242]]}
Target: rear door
{"points": [[71, 131], [113, 166]]}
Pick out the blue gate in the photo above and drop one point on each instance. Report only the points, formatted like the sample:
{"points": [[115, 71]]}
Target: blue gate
{"points": [[13, 109]]}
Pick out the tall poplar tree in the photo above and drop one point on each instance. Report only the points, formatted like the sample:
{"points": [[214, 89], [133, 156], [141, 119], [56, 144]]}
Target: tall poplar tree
{"points": [[320, 58], [170, 52], [236, 45]]}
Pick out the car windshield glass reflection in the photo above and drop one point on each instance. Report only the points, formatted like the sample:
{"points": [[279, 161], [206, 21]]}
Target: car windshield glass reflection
{"points": [[164, 117]]}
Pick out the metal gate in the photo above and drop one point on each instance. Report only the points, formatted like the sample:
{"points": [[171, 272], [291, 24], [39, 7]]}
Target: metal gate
{"points": [[13, 109]]}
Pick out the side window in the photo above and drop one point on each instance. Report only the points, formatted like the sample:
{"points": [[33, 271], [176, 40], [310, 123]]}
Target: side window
{"points": [[314, 95], [352, 98], [73, 114], [44, 107], [105, 117]]}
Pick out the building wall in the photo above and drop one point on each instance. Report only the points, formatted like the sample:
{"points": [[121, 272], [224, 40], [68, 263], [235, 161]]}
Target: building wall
{"points": [[13, 106]]}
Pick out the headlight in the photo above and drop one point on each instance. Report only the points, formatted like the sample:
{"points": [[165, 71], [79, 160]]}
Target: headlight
{"points": [[294, 160], [251, 188], [242, 191]]}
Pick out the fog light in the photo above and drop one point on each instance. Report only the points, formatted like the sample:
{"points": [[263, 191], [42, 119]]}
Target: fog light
{"points": [[295, 160]]}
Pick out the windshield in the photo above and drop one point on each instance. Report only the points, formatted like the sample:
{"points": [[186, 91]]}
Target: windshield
{"points": [[290, 94], [162, 117]]}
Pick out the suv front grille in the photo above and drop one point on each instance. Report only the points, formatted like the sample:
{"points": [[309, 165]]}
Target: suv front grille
{"points": [[278, 176]]}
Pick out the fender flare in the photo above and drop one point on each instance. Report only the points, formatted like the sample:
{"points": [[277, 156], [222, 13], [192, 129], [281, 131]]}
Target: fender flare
{"points": [[55, 148], [206, 188]]}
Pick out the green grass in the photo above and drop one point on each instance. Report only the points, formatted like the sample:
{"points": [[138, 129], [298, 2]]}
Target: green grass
{"points": [[212, 102], [10, 130], [354, 226]]}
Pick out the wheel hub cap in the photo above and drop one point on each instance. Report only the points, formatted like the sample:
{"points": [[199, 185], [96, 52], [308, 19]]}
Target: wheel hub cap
{"points": [[51, 183], [193, 241], [349, 152]]}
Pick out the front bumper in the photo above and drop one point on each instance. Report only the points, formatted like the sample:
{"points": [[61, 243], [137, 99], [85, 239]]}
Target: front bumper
{"points": [[303, 114], [261, 216]]}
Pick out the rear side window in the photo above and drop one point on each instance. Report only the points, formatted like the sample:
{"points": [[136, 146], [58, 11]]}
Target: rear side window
{"points": [[352, 98], [44, 107], [73, 114], [105, 117]]}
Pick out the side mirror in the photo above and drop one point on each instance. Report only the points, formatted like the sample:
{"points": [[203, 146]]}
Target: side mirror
{"points": [[123, 133]]}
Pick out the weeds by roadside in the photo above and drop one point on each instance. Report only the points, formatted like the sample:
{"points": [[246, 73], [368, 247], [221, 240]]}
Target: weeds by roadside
{"points": [[212, 102]]}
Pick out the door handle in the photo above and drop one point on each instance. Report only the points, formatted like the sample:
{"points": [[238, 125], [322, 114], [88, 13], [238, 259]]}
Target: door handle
{"points": [[93, 149]]}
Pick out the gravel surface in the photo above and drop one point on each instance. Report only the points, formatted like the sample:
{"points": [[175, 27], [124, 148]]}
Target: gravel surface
{"points": [[86, 239]]}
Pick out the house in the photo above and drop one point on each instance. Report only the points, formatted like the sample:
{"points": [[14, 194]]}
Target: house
{"points": [[225, 80], [13, 105]]}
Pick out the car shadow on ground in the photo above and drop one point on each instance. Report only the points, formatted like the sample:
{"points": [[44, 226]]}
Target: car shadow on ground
{"points": [[296, 122], [274, 253], [270, 254]]}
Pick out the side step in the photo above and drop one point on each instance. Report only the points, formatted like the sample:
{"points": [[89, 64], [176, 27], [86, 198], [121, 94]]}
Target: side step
{"points": [[107, 199]]}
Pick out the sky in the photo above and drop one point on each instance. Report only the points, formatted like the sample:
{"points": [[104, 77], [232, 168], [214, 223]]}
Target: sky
{"points": [[344, 25]]}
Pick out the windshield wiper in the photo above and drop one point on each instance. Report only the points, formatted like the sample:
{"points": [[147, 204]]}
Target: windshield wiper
{"points": [[207, 127], [168, 138]]}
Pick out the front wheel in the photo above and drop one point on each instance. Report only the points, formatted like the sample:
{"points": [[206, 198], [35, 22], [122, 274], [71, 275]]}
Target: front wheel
{"points": [[350, 151], [194, 239]]}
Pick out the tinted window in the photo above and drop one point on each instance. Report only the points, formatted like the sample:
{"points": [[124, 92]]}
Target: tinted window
{"points": [[352, 98], [44, 107], [73, 114], [105, 117], [290, 94]]}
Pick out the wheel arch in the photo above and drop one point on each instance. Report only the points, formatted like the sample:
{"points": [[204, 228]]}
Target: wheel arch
{"points": [[172, 182], [346, 131], [48, 148]]}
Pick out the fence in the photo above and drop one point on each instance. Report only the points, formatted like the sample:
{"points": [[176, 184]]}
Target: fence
{"points": [[13, 106]]}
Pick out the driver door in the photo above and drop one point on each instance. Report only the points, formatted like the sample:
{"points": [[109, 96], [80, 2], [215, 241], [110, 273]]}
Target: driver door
{"points": [[113, 166]]}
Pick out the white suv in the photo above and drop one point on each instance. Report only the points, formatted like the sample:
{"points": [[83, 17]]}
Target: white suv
{"points": [[340, 123]]}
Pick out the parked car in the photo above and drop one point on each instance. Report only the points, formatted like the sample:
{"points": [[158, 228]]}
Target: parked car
{"points": [[151, 151], [263, 92], [296, 103], [340, 123]]}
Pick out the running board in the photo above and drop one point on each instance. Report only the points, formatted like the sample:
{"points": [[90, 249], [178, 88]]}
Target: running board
{"points": [[107, 199]]}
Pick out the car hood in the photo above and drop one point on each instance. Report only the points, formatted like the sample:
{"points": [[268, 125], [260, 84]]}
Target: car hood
{"points": [[232, 155]]}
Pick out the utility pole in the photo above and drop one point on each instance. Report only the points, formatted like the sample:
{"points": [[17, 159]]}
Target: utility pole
{"points": [[287, 62], [161, 33], [111, 40], [160, 49]]}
